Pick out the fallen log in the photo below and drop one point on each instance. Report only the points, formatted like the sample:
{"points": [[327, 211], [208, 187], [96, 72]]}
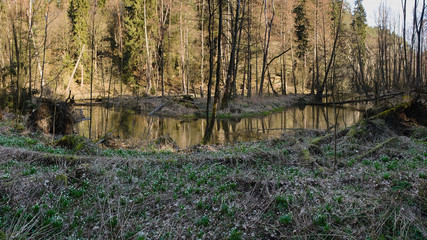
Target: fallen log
{"points": [[382, 97], [399, 107]]}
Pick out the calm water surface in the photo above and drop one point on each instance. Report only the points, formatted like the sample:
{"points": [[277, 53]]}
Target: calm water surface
{"points": [[127, 124]]}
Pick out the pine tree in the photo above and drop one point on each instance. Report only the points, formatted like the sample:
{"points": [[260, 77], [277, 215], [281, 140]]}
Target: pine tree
{"points": [[134, 39], [359, 22], [359, 29], [301, 28], [78, 13]]}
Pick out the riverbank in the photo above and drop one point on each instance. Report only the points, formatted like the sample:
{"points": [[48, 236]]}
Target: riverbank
{"points": [[189, 107], [290, 187]]}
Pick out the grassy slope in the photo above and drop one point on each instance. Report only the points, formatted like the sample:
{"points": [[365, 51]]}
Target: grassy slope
{"points": [[273, 189]]}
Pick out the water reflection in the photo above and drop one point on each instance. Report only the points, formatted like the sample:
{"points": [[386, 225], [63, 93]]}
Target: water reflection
{"points": [[128, 124]]}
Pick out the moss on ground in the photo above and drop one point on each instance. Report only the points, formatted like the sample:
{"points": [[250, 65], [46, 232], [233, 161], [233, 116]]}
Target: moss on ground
{"points": [[77, 144]]}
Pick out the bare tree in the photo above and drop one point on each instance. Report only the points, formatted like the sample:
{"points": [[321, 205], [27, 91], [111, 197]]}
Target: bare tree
{"points": [[163, 16], [266, 45], [331, 59], [236, 26], [419, 22], [210, 125]]}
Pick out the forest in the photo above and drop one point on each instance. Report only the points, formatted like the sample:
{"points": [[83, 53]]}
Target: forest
{"points": [[110, 48], [213, 119]]}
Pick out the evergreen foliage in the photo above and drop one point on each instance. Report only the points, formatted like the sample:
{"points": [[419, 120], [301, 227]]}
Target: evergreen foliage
{"points": [[301, 27], [78, 13], [359, 21]]}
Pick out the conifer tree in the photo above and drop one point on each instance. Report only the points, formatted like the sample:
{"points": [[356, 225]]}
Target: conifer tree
{"points": [[301, 34], [359, 29], [135, 40], [301, 28], [78, 13]]}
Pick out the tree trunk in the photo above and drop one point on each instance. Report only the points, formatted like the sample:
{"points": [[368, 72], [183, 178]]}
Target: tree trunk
{"points": [[211, 62], [203, 49], [210, 126], [30, 25], [148, 50], [74, 71], [319, 94], [92, 66], [230, 72], [44, 52], [182, 49], [267, 34], [249, 80]]}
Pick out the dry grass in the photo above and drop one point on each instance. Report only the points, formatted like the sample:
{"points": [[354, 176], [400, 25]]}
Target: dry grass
{"points": [[261, 190]]}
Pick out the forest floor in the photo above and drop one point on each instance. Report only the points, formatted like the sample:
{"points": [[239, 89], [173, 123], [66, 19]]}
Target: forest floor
{"points": [[188, 107], [290, 187]]}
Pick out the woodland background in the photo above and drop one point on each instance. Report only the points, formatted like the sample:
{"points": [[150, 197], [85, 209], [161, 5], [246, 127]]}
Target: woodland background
{"points": [[107, 48]]}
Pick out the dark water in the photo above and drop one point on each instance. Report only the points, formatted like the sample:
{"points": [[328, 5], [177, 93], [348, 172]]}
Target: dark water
{"points": [[127, 124]]}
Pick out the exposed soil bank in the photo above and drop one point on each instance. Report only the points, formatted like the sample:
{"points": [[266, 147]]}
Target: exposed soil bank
{"points": [[52, 117], [285, 188]]}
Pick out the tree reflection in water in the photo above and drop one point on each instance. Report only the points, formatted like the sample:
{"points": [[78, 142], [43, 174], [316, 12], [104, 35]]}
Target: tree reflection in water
{"points": [[127, 124]]}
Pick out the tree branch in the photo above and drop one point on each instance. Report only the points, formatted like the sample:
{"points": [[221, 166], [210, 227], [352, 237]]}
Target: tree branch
{"points": [[268, 64]]}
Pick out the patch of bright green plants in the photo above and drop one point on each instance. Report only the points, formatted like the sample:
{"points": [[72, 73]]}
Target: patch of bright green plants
{"points": [[31, 144]]}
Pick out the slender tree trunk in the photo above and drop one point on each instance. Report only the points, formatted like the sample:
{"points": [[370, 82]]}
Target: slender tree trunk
{"points": [[74, 71], [319, 94], [148, 50], [182, 49], [209, 129], [419, 29], [283, 58], [187, 70], [92, 66], [211, 64], [249, 87], [244, 80], [267, 34], [30, 25], [236, 65], [230, 72], [163, 16], [203, 49], [18, 67], [46, 16], [293, 65], [316, 54], [406, 70]]}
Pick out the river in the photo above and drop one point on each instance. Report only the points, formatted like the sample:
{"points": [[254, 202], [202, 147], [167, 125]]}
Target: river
{"points": [[126, 124]]}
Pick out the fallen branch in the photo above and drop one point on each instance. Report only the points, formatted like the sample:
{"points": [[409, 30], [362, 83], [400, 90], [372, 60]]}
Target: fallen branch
{"points": [[375, 148], [158, 108], [382, 97]]}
